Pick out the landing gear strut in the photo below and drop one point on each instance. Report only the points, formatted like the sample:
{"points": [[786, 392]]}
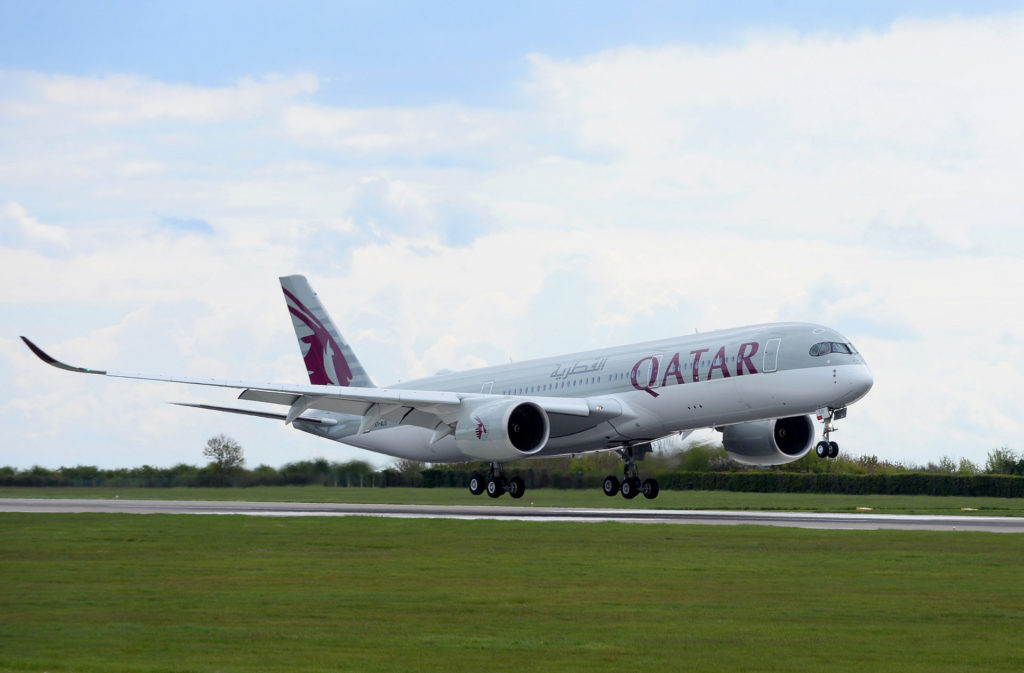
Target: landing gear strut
{"points": [[826, 448], [631, 486], [495, 483]]}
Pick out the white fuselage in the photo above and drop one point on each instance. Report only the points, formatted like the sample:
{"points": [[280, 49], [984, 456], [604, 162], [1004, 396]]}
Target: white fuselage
{"points": [[641, 392]]}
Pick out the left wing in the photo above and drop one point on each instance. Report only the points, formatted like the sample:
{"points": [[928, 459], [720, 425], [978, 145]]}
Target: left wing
{"points": [[425, 408]]}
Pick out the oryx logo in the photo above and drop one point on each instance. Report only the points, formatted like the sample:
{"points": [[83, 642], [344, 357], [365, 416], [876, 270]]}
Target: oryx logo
{"points": [[481, 429], [325, 363]]}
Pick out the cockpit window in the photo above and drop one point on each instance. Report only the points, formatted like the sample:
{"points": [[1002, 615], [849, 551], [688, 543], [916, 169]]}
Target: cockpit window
{"points": [[826, 347]]}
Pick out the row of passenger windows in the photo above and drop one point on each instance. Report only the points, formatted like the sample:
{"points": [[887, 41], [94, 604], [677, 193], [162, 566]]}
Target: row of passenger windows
{"points": [[826, 347], [547, 387]]}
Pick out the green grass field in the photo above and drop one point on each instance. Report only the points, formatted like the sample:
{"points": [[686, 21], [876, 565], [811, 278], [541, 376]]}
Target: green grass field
{"points": [[795, 502], [97, 592]]}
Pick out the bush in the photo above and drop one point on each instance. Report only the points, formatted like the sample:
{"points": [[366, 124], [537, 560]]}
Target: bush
{"points": [[908, 483]]}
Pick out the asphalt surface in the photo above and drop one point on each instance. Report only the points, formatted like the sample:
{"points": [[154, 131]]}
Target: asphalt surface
{"points": [[526, 513]]}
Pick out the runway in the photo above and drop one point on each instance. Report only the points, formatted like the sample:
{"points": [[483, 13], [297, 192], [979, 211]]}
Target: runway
{"points": [[525, 513]]}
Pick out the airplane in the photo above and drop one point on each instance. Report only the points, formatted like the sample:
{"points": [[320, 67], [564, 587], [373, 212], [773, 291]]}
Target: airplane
{"points": [[761, 386]]}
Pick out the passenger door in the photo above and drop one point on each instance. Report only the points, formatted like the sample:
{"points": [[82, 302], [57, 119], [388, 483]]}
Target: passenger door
{"points": [[771, 355]]}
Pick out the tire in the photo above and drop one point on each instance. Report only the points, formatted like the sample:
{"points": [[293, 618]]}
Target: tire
{"points": [[630, 488], [476, 484], [833, 450], [610, 486], [650, 489], [822, 449], [516, 487], [495, 487]]}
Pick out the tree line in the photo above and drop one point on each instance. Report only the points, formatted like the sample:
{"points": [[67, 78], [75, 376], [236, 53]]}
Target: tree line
{"points": [[701, 466]]}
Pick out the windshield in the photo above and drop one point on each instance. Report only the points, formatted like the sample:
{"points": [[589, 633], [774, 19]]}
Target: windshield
{"points": [[826, 347]]}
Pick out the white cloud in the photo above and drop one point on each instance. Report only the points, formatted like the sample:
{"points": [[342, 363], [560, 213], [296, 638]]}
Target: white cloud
{"points": [[127, 99], [916, 124], [17, 227], [442, 129], [868, 182]]}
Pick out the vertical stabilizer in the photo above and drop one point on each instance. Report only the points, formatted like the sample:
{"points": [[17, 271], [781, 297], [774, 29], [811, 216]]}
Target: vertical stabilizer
{"points": [[329, 359]]}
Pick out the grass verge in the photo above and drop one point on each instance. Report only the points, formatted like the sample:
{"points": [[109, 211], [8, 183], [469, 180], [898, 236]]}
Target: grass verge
{"points": [[98, 592]]}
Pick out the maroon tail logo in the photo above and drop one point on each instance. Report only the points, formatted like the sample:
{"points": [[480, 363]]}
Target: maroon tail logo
{"points": [[481, 429], [325, 363]]}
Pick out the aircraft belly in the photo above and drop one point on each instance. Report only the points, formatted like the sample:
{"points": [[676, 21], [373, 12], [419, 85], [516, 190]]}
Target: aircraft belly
{"points": [[602, 436], [408, 442]]}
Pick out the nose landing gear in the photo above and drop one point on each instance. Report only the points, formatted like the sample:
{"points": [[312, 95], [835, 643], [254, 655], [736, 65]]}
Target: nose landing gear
{"points": [[826, 448]]}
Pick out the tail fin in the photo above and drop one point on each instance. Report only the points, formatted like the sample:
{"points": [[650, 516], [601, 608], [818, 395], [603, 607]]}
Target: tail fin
{"points": [[329, 359]]}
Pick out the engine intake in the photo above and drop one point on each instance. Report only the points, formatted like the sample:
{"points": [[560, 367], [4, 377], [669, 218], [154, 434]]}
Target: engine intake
{"points": [[775, 442], [502, 430]]}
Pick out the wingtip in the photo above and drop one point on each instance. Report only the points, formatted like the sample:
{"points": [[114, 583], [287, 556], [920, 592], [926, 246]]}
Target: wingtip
{"points": [[54, 362], [39, 352]]}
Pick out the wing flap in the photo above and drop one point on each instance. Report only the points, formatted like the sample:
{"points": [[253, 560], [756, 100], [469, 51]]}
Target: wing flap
{"points": [[254, 412]]}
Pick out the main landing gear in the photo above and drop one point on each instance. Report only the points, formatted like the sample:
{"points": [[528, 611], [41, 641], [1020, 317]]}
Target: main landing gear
{"points": [[826, 448], [495, 483], [631, 486]]}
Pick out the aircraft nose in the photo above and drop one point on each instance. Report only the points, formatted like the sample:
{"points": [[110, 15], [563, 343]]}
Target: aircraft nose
{"points": [[861, 381]]}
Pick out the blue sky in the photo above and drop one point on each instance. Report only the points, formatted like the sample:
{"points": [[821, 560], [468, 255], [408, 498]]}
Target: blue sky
{"points": [[372, 53], [466, 183]]}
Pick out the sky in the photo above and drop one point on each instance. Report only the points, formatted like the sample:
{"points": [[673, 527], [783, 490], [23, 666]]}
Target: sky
{"points": [[468, 183]]}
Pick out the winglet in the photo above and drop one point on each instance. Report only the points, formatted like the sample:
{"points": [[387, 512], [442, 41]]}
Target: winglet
{"points": [[54, 362]]}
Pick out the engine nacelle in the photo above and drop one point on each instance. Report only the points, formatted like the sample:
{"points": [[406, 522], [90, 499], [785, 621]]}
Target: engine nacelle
{"points": [[775, 442], [502, 430]]}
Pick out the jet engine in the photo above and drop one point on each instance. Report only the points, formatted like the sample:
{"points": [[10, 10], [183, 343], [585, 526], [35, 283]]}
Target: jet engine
{"points": [[502, 430], [775, 442]]}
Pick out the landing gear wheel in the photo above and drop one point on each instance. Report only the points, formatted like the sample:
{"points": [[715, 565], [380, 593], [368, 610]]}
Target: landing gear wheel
{"points": [[611, 486], [650, 489], [827, 448], [516, 487], [630, 488], [476, 484], [495, 486]]}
